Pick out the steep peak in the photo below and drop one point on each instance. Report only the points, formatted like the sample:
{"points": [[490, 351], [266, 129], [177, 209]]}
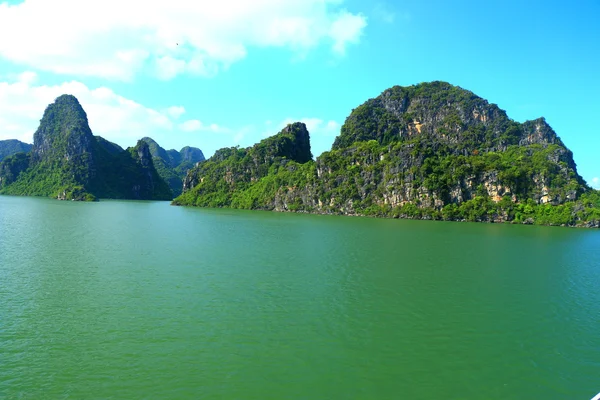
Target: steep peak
{"points": [[293, 142], [63, 130], [436, 111], [538, 131], [66, 109], [191, 154], [301, 141], [141, 153], [67, 99], [155, 149], [149, 140]]}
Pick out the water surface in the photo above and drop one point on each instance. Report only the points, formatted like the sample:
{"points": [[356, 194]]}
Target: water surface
{"points": [[145, 300]]}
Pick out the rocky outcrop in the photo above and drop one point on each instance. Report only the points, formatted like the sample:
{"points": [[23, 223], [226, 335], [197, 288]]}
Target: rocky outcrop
{"points": [[68, 162], [239, 168], [173, 165], [448, 115], [190, 155], [432, 151], [148, 183]]}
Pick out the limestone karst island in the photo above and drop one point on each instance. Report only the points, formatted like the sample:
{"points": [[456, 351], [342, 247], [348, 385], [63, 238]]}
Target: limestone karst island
{"points": [[299, 200], [427, 151]]}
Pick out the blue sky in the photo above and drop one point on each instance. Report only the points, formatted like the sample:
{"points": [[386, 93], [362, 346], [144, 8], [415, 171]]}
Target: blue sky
{"points": [[215, 74]]}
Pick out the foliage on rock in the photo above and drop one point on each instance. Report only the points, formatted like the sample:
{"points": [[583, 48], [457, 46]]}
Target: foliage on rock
{"points": [[13, 146], [68, 162], [173, 165], [429, 151]]}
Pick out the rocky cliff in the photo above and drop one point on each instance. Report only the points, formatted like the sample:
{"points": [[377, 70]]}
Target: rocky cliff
{"points": [[432, 151], [219, 180], [68, 162], [173, 165]]}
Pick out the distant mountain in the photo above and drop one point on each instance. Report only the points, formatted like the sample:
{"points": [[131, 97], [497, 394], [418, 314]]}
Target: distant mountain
{"points": [[110, 147], [173, 165], [428, 151], [13, 146], [68, 162]]}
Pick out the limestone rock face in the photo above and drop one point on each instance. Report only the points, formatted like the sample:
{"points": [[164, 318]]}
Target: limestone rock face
{"points": [[173, 165], [64, 139], [68, 162], [443, 113], [298, 147], [239, 167], [431, 151], [191, 155]]}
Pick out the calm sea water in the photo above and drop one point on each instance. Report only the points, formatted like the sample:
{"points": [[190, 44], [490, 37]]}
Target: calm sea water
{"points": [[145, 300]]}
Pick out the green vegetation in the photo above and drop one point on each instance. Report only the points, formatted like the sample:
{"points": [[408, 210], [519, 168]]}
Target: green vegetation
{"points": [[12, 146], [110, 147], [430, 151], [231, 171], [173, 165], [68, 162]]}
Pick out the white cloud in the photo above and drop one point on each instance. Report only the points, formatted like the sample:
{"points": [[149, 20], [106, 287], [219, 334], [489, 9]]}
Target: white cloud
{"points": [[117, 39], [176, 111], [347, 28], [168, 67], [114, 117], [595, 183], [28, 77], [191, 125], [383, 13]]}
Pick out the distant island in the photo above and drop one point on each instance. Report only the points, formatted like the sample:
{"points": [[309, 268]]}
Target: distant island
{"points": [[173, 165], [67, 162], [428, 151]]}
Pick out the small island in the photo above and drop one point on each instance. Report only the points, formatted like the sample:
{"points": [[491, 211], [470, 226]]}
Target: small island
{"points": [[68, 162], [428, 151]]}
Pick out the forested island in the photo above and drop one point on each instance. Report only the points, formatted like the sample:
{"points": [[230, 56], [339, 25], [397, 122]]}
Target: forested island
{"points": [[68, 162], [428, 151]]}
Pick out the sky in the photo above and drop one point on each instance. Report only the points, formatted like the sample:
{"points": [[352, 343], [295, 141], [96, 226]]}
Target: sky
{"points": [[217, 74]]}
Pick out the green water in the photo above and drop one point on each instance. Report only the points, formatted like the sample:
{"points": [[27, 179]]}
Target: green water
{"points": [[144, 300]]}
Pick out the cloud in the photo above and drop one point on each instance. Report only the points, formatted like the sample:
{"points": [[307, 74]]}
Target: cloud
{"points": [[595, 183], [191, 125], [383, 13], [114, 117], [176, 111], [117, 39], [194, 125], [347, 28]]}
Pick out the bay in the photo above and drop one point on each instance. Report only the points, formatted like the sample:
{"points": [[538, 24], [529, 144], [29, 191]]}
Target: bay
{"points": [[145, 300]]}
